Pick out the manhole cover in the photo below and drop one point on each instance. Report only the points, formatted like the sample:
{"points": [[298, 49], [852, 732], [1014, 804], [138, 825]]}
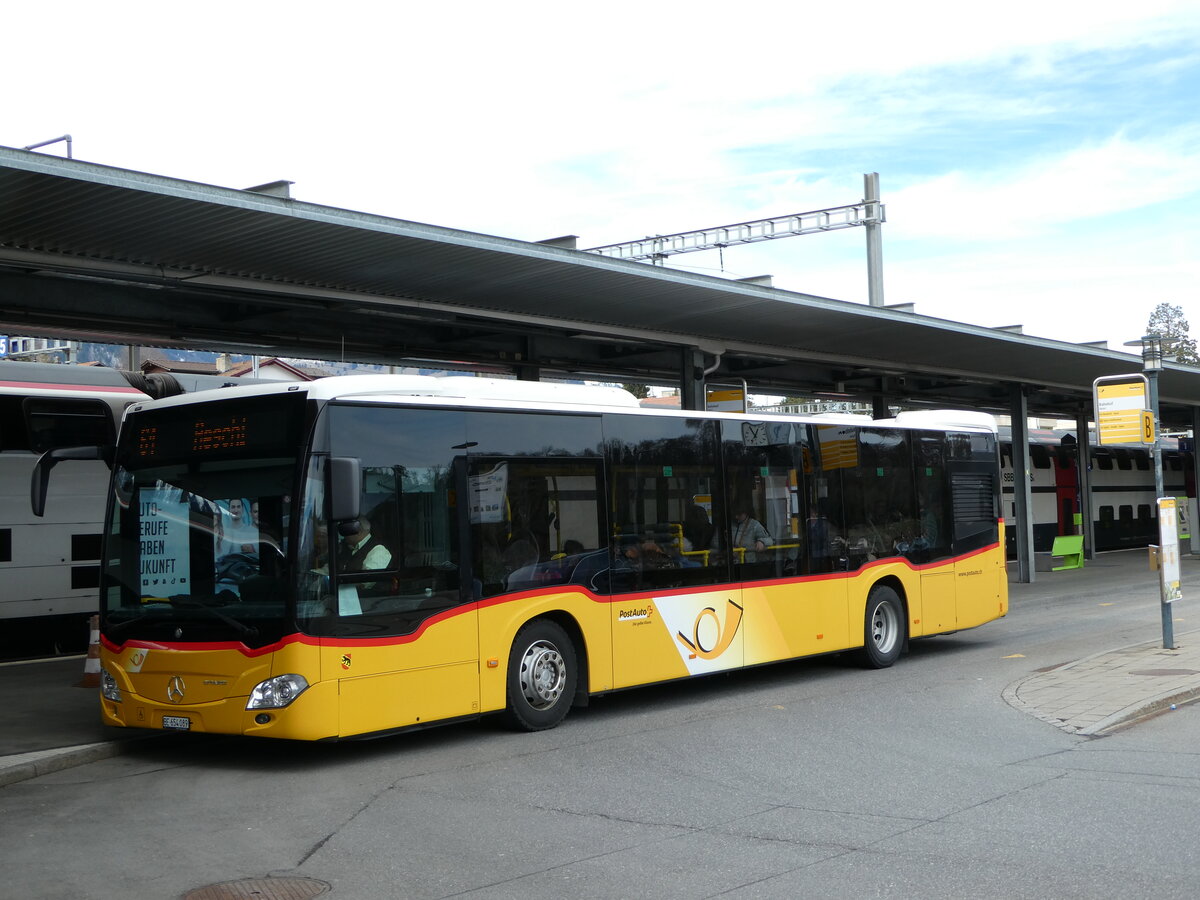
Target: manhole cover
{"points": [[260, 889], [1165, 673]]}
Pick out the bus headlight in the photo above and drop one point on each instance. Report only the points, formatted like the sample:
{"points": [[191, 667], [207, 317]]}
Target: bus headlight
{"points": [[108, 687], [277, 692]]}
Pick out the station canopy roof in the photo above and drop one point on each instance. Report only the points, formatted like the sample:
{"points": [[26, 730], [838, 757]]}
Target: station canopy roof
{"points": [[94, 253]]}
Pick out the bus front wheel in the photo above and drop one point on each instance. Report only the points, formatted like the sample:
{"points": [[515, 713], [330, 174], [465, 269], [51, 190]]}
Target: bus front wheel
{"points": [[883, 636], [542, 672]]}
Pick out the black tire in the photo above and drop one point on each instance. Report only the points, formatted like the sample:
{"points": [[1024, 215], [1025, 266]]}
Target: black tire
{"points": [[542, 673], [883, 628]]}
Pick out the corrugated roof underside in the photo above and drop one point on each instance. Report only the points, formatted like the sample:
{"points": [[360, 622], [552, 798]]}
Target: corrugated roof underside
{"points": [[185, 229]]}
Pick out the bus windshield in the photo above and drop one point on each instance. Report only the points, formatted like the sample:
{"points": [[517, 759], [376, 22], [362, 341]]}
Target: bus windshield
{"points": [[196, 547]]}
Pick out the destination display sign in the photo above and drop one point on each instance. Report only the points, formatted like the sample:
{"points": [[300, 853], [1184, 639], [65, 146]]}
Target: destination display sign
{"points": [[227, 427]]}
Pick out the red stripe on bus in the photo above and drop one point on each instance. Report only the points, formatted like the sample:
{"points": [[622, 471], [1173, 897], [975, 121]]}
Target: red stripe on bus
{"points": [[500, 599], [94, 388], [295, 638]]}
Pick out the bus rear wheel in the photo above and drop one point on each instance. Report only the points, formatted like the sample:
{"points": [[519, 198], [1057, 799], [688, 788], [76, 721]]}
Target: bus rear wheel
{"points": [[542, 673], [883, 628]]}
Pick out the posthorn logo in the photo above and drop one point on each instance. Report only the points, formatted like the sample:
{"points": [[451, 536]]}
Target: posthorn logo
{"points": [[710, 638]]}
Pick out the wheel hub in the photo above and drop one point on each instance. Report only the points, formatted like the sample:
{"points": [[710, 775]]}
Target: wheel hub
{"points": [[543, 675], [885, 627]]}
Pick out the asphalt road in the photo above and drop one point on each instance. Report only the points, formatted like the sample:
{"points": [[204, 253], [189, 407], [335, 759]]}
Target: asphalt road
{"points": [[814, 779]]}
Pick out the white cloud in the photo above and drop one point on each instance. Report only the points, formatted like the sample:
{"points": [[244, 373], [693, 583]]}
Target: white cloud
{"points": [[535, 119], [1040, 195]]}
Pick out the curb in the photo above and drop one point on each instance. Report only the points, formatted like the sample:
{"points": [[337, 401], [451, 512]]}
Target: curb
{"points": [[24, 766], [1138, 711], [1128, 715]]}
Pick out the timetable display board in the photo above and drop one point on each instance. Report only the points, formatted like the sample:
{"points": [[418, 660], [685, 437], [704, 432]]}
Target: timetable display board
{"points": [[730, 400], [1122, 410]]}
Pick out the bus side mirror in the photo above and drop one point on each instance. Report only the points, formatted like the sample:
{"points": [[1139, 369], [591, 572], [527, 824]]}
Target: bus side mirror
{"points": [[345, 487], [40, 481]]}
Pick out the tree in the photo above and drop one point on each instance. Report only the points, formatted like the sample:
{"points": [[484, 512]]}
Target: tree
{"points": [[641, 391], [1167, 320]]}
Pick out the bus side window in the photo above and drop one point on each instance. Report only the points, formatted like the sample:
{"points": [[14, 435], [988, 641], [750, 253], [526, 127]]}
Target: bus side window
{"points": [[881, 517], [13, 433], [536, 507], [971, 463], [67, 423], [535, 523], [933, 499], [762, 479], [661, 471], [411, 460]]}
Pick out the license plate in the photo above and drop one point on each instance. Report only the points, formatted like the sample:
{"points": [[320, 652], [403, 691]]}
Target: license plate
{"points": [[178, 723]]}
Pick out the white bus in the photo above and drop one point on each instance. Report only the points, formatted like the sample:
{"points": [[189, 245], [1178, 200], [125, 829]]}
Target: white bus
{"points": [[49, 565]]}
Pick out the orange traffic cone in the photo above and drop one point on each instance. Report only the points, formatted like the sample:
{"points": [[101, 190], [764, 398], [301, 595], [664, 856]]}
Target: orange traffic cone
{"points": [[91, 667]]}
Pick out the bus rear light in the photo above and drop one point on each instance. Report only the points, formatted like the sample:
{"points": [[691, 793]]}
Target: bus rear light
{"points": [[277, 692]]}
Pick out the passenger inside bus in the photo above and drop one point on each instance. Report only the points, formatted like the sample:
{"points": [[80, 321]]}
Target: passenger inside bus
{"points": [[749, 535], [822, 541], [698, 532], [649, 553]]}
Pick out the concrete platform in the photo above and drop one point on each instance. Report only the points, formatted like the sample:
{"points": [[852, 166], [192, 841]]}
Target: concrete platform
{"points": [[1100, 693], [49, 722]]}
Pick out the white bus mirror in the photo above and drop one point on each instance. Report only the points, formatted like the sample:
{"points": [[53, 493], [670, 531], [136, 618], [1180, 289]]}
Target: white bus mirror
{"points": [[40, 482]]}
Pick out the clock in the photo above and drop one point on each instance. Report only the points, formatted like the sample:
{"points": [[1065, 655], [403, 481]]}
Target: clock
{"points": [[754, 434]]}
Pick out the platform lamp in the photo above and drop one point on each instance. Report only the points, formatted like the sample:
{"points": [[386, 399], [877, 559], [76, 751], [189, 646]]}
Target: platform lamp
{"points": [[1152, 363]]}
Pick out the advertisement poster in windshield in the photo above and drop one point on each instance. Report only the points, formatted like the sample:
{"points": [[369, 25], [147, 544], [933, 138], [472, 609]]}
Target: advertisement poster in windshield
{"points": [[163, 523]]}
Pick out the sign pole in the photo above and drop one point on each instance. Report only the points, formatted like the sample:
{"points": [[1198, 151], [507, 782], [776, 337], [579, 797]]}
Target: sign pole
{"points": [[1152, 362], [1127, 413]]}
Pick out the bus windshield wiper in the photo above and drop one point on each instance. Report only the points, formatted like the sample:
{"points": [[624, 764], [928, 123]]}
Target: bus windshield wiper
{"points": [[113, 630], [191, 602]]}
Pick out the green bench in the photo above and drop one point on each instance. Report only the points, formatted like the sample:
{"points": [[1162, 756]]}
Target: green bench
{"points": [[1070, 548]]}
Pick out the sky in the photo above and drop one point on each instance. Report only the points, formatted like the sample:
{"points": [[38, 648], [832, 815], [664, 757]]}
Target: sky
{"points": [[1039, 161]]}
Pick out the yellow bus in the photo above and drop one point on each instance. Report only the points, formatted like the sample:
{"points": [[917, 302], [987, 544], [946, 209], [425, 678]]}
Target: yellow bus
{"points": [[363, 555]]}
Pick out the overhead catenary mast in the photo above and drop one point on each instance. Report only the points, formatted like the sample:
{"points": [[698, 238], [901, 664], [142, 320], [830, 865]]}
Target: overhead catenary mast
{"points": [[869, 212]]}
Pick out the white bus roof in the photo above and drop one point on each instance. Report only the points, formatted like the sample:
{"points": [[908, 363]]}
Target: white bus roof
{"points": [[450, 387], [459, 389], [466, 387], [74, 382], [945, 420]]}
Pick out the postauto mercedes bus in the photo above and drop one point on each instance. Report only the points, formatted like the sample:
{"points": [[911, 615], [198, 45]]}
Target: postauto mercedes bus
{"points": [[362, 555]]}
